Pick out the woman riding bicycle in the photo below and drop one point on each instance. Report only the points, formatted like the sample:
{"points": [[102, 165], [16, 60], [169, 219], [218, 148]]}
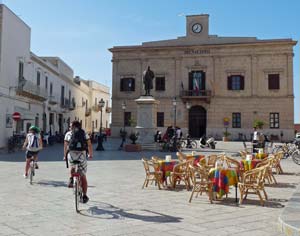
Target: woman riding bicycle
{"points": [[33, 144]]}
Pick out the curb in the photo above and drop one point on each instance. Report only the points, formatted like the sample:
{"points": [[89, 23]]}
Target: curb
{"points": [[289, 219]]}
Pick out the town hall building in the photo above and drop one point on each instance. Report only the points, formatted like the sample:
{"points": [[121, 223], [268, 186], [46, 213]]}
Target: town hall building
{"points": [[218, 83]]}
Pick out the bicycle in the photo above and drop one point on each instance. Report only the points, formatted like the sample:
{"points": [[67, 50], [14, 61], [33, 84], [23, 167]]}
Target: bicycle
{"points": [[32, 170], [288, 149], [77, 187]]}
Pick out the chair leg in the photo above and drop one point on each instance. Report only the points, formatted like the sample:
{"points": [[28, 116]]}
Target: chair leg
{"points": [[260, 197], [144, 183], [266, 196], [192, 195]]}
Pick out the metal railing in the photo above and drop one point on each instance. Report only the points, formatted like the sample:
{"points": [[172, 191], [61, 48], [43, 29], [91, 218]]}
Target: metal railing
{"points": [[29, 89], [196, 93]]}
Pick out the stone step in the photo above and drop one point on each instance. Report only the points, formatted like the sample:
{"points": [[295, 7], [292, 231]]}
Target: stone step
{"points": [[150, 146]]}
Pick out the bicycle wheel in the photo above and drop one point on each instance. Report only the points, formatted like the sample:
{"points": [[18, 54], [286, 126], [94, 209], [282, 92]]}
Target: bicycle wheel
{"points": [[296, 156], [194, 144], [76, 192], [182, 143], [31, 172]]}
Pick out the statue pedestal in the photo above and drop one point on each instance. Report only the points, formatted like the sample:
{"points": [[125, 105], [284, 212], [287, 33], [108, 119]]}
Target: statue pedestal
{"points": [[146, 119]]}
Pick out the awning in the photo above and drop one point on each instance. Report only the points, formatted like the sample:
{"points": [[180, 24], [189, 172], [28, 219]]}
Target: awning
{"points": [[25, 114]]}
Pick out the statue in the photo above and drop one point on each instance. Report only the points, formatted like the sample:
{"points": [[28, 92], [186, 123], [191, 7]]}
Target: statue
{"points": [[148, 76]]}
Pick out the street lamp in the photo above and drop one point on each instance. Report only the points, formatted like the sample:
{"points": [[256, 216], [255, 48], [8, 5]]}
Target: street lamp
{"points": [[123, 132], [175, 135], [100, 137]]}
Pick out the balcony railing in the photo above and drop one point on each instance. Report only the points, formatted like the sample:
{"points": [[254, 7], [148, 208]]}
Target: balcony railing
{"points": [[29, 89], [72, 104], [96, 108], [199, 95], [52, 99], [108, 109], [88, 111]]}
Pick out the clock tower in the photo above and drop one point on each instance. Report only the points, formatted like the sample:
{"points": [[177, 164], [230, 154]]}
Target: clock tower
{"points": [[197, 26]]}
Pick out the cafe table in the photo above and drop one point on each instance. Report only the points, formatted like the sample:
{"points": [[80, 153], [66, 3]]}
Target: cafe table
{"points": [[249, 164], [198, 159], [222, 178], [166, 167]]}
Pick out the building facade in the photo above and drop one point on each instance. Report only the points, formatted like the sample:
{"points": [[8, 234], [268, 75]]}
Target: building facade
{"points": [[218, 82], [43, 90]]}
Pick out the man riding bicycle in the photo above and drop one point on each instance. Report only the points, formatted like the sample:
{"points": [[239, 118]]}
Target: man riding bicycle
{"points": [[76, 145]]}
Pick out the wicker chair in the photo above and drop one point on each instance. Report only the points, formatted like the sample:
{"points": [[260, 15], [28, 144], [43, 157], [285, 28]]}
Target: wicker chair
{"points": [[201, 182], [253, 181], [269, 174], [276, 164], [152, 173], [181, 172], [181, 157], [234, 164]]}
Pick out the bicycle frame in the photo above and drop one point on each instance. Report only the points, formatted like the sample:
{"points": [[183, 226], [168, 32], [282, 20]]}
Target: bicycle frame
{"points": [[32, 170], [77, 188]]}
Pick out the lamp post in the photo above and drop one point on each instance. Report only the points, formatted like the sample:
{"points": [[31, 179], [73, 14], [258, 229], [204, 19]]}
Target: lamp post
{"points": [[100, 137], [123, 132], [175, 135], [188, 138]]}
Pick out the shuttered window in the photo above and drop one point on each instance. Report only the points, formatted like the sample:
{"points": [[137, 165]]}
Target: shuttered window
{"points": [[127, 118], [160, 84], [235, 82], [236, 120], [274, 120], [127, 84], [160, 119], [274, 82]]}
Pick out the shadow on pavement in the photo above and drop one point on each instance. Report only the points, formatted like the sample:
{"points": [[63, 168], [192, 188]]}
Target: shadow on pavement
{"points": [[52, 183], [282, 185], [108, 211]]}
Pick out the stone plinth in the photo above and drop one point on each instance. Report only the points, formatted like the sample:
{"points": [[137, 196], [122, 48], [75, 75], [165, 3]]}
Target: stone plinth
{"points": [[146, 118]]}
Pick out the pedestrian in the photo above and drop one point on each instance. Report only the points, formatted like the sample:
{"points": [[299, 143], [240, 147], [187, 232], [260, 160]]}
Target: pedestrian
{"points": [[33, 144], [77, 146]]}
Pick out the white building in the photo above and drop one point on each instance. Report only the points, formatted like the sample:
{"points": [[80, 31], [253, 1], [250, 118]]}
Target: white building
{"points": [[42, 89]]}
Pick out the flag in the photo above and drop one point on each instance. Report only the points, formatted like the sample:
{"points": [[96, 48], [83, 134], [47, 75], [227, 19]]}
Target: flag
{"points": [[196, 82], [182, 86]]}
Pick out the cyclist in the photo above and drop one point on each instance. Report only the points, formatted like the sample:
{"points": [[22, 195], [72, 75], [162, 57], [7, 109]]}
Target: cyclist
{"points": [[76, 145], [33, 144]]}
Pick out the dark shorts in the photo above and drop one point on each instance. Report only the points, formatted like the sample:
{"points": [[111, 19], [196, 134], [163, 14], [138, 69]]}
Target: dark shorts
{"points": [[30, 154]]}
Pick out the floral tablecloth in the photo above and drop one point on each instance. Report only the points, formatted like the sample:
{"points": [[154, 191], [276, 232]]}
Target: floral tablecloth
{"points": [[166, 167], [222, 179], [260, 155], [198, 159], [249, 164]]}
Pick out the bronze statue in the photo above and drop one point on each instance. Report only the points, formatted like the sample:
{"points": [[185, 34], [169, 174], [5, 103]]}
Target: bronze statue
{"points": [[148, 77]]}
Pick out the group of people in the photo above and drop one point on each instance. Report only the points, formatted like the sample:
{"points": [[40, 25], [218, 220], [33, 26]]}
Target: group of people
{"points": [[77, 147], [169, 134], [259, 139]]}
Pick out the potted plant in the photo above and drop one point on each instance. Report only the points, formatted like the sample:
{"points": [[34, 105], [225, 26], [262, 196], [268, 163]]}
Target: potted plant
{"points": [[226, 135], [133, 137], [133, 147], [258, 124]]}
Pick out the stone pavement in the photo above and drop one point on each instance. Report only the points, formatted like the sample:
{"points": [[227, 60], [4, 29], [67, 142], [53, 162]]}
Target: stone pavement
{"points": [[118, 205]]}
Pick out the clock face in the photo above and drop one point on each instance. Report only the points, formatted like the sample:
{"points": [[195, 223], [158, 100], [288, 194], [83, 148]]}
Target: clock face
{"points": [[197, 28]]}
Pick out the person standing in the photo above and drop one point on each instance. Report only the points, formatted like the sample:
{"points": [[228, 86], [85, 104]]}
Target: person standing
{"points": [[77, 145], [255, 139], [33, 144]]}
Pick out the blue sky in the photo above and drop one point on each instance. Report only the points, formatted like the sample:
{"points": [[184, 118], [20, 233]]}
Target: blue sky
{"points": [[81, 31]]}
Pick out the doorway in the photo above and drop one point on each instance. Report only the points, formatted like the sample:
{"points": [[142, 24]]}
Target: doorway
{"points": [[197, 121]]}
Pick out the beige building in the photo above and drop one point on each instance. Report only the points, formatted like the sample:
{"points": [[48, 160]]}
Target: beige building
{"points": [[43, 90], [213, 78]]}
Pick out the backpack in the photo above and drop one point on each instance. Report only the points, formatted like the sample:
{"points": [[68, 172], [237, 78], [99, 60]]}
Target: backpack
{"points": [[33, 142], [78, 141]]}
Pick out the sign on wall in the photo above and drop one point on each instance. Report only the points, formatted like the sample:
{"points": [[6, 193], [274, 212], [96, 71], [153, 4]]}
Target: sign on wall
{"points": [[8, 121]]}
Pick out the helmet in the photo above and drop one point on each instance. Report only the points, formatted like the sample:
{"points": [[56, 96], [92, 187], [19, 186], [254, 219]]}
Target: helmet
{"points": [[34, 128]]}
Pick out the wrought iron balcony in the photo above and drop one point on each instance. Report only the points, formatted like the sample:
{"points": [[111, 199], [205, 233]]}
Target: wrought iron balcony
{"points": [[72, 104], [52, 100], [204, 95], [96, 108], [28, 89], [108, 109], [88, 111]]}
